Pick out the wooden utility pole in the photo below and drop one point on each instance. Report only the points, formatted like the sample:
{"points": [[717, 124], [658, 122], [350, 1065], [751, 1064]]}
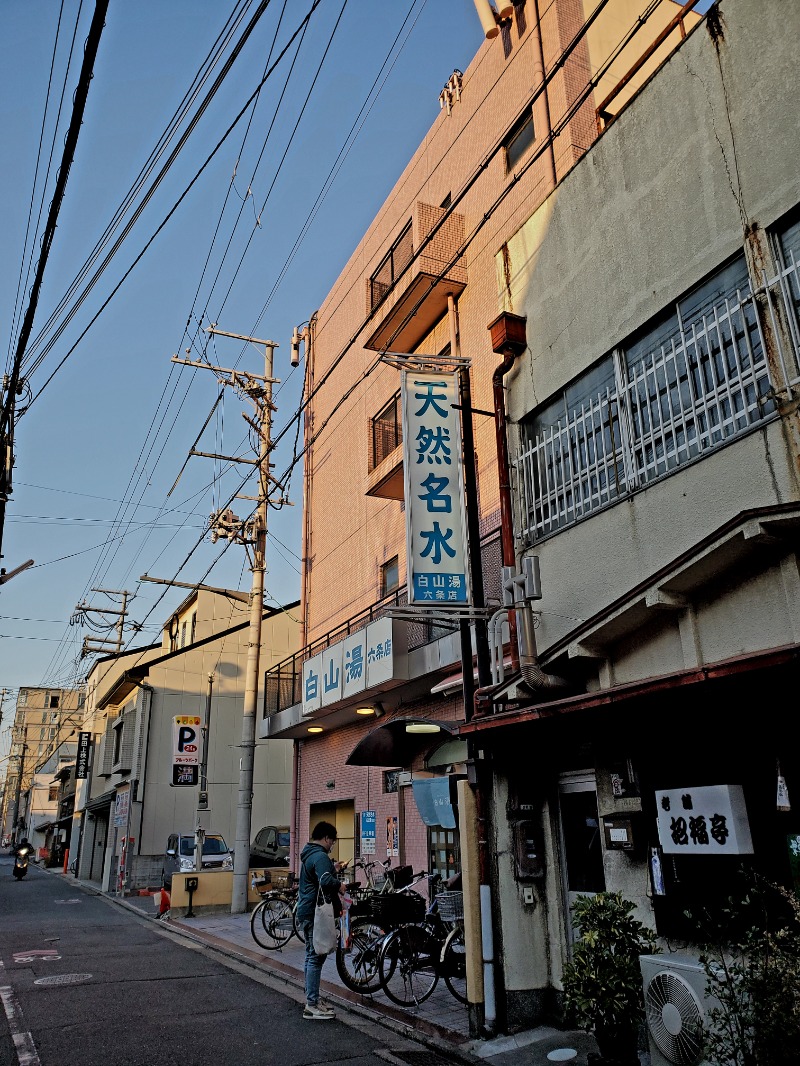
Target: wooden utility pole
{"points": [[252, 534]]}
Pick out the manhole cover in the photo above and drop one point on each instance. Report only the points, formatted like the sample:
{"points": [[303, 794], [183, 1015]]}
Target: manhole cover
{"points": [[65, 979]]}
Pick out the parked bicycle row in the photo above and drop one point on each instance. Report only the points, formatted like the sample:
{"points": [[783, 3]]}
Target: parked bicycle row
{"points": [[391, 938]]}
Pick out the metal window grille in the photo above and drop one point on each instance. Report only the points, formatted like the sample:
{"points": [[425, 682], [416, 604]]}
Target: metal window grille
{"points": [[386, 432], [708, 383], [392, 266]]}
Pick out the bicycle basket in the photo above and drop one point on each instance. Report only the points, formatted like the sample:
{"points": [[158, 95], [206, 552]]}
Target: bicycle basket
{"points": [[397, 908], [282, 881], [400, 877], [450, 905]]}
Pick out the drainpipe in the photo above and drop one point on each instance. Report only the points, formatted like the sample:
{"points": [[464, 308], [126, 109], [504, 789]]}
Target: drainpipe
{"points": [[509, 339]]}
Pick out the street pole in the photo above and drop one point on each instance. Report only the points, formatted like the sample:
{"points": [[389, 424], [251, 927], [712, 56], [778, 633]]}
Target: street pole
{"points": [[18, 790], [254, 534], [244, 810]]}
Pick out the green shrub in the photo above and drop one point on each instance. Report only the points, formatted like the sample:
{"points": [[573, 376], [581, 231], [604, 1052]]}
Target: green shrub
{"points": [[751, 960], [603, 982]]}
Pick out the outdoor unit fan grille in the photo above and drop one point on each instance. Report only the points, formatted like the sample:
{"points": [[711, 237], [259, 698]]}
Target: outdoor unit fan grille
{"points": [[675, 1019]]}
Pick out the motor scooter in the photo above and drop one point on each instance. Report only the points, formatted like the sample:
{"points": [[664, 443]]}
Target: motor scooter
{"points": [[21, 861]]}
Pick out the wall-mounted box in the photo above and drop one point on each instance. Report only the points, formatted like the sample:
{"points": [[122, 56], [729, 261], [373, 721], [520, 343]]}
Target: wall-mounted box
{"points": [[618, 833]]}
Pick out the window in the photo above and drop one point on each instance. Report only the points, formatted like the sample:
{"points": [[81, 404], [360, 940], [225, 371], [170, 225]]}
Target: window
{"points": [[519, 139], [786, 242], [392, 266], [687, 382], [183, 635], [52, 732], [193, 631], [53, 699], [390, 576], [23, 698], [52, 793], [117, 744], [386, 430], [445, 858], [54, 716]]}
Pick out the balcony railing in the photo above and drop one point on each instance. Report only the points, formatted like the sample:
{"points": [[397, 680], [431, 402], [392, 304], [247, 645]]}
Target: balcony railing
{"points": [[283, 684]]}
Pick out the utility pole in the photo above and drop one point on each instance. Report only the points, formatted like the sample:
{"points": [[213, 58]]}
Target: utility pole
{"points": [[20, 770], [83, 610], [252, 534]]}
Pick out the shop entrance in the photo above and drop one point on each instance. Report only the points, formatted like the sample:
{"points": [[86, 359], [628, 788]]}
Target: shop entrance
{"points": [[343, 816]]}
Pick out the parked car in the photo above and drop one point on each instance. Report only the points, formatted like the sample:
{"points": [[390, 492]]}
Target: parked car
{"points": [[179, 855], [270, 846]]}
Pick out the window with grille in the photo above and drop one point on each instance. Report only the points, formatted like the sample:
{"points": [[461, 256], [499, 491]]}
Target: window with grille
{"points": [[386, 431], [689, 381], [392, 266]]}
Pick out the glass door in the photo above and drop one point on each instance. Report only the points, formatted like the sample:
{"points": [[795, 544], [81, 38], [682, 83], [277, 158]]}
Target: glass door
{"points": [[582, 868]]}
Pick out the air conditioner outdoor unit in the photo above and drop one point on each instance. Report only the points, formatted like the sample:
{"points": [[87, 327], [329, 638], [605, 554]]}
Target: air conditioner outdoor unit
{"points": [[676, 1006]]}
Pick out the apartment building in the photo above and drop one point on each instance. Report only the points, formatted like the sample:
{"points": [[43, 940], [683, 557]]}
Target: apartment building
{"points": [[652, 428], [44, 721]]}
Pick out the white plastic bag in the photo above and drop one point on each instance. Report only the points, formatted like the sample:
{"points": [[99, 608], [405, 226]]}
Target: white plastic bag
{"points": [[325, 935]]}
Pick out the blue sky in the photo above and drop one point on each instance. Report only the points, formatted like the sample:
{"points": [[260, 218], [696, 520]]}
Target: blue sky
{"points": [[107, 431]]}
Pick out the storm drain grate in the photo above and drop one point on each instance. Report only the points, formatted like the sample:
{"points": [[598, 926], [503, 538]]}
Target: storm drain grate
{"points": [[422, 1058], [64, 979]]}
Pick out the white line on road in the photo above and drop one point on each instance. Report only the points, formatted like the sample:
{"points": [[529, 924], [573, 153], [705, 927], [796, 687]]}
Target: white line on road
{"points": [[23, 1041]]}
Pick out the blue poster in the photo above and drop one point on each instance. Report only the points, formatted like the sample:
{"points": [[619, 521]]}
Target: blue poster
{"points": [[368, 824]]}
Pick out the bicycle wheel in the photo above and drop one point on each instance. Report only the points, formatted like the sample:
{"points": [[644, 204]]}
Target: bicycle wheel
{"points": [[453, 964], [357, 965], [271, 923], [408, 965]]}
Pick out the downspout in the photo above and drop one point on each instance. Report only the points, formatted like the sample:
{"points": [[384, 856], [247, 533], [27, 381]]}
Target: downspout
{"points": [[509, 339], [539, 69], [308, 436]]}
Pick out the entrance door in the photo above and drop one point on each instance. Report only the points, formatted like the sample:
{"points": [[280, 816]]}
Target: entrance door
{"points": [[341, 814], [580, 837]]}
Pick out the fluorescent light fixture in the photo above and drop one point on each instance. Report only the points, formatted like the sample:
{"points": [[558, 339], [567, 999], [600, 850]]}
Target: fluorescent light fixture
{"points": [[422, 727], [315, 729]]}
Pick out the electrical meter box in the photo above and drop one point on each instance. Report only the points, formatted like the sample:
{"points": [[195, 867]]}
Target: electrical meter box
{"points": [[618, 834]]}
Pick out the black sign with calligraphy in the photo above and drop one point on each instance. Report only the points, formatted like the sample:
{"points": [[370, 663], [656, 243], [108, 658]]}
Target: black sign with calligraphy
{"points": [[82, 758]]}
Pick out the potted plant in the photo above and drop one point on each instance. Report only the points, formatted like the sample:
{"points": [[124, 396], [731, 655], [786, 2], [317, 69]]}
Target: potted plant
{"points": [[603, 982]]}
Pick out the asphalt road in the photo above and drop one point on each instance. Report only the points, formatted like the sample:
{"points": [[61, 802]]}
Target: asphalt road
{"points": [[86, 983]]}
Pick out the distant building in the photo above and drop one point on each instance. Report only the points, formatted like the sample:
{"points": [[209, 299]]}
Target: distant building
{"points": [[140, 789], [44, 719]]}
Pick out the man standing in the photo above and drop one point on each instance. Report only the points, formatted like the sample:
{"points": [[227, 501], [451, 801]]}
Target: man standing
{"points": [[317, 869]]}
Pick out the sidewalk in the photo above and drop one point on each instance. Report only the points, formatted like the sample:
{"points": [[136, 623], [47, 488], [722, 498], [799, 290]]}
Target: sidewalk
{"points": [[440, 1023]]}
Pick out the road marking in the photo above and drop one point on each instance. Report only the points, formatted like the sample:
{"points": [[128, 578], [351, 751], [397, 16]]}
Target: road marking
{"points": [[23, 1041], [37, 955]]}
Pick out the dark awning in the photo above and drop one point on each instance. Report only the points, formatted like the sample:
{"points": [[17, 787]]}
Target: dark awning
{"points": [[392, 744], [98, 802]]}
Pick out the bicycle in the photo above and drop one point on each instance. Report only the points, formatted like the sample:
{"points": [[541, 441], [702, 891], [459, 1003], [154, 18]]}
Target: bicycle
{"points": [[413, 957], [273, 921], [367, 923]]}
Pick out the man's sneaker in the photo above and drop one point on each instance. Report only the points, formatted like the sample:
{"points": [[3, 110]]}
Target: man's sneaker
{"points": [[319, 1012]]}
